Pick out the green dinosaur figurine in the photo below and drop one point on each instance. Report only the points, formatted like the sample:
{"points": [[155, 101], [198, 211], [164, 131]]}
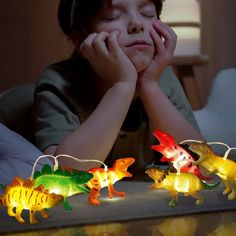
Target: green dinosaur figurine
{"points": [[62, 182]]}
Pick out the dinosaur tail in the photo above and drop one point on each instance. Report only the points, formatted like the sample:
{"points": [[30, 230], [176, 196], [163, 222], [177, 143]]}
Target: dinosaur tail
{"points": [[202, 177], [209, 186], [1, 201], [83, 189], [3, 186], [2, 190]]}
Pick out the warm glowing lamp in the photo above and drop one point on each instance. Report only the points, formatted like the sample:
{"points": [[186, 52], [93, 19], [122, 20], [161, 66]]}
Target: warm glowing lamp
{"points": [[215, 164], [184, 18], [63, 182], [186, 183], [22, 195], [177, 156], [107, 178]]}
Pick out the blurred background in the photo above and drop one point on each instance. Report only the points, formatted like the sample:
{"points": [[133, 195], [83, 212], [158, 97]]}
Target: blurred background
{"points": [[31, 39]]}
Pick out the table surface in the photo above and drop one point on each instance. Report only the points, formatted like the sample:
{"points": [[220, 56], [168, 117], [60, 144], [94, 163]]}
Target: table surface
{"points": [[141, 212], [221, 223]]}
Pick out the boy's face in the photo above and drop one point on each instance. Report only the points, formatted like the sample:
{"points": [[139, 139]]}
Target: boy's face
{"points": [[133, 19]]}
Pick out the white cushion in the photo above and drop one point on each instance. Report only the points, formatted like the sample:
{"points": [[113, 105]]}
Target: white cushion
{"points": [[217, 120]]}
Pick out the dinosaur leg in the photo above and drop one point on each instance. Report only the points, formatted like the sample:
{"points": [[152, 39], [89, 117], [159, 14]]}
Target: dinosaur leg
{"points": [[174, 198], [232, 195], [67, 205], [154, 186], [228, 187], [93, 196], [199, 198], [44, 214], [10, 211], [32, 217], [18, 215], [113, 191]]}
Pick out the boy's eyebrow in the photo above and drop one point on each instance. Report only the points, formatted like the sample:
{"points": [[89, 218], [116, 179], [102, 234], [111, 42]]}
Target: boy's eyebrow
{"points": [[142, 3], [117, 6]]}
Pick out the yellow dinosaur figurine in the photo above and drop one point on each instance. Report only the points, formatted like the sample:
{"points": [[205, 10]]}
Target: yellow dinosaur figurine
{"points": [[102, 178], [215, 164], [20, 195], [174, 183]]}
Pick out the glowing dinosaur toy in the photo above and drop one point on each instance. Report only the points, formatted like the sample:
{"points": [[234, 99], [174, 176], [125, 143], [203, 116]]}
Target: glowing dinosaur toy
{"points": [[174, 183], [107, 178], [20, 195], [179, 158], [215, 164], [62, 182]]}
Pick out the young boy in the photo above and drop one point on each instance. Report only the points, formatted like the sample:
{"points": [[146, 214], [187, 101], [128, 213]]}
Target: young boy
{"points": [[105, 101]]}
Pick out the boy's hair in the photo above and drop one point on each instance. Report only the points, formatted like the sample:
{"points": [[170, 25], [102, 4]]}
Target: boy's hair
{"points": [[74, 15]]}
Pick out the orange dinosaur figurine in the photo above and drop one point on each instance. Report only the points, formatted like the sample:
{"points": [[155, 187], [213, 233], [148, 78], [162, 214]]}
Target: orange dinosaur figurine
{"points": [[103, 178]]}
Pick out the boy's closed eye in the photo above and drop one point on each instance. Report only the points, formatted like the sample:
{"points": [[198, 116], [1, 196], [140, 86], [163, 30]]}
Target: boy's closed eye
{"points": [[111, 14], [148, 14], [148, 11], [111, 17], [117, 16]]}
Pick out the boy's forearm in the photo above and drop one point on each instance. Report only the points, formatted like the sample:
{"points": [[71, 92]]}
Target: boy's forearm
{"points": [[96, 136], [163, 114]]}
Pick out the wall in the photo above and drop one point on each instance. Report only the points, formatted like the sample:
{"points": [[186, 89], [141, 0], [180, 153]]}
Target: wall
{"points": [[31, 39], [218, 41]]}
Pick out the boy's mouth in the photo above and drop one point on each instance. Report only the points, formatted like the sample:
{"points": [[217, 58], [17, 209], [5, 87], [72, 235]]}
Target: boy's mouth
{"points": [[139, 44]]}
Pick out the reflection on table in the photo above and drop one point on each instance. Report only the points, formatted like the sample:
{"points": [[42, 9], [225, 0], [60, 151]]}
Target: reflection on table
{"points": [[207, 224]]}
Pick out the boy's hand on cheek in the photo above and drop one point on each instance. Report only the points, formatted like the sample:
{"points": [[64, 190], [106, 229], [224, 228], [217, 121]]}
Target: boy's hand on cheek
{"points": [[107, 59], [164, 39]]}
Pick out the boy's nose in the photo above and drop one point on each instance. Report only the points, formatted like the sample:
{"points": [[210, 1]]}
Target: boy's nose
{"points": [[135, 26]]}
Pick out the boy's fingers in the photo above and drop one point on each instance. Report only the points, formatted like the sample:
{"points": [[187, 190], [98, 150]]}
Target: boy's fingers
{"points": [[99, 43], [168, 34], [113, 45], [158, 42], [171, 40], [86, 46]]}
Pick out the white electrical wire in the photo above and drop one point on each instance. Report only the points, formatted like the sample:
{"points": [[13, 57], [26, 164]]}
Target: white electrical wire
{"points": [[211, 143], [68, 156]]}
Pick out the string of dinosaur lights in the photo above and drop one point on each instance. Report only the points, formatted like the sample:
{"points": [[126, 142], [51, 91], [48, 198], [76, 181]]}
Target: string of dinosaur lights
{"points": [[51, 187]]}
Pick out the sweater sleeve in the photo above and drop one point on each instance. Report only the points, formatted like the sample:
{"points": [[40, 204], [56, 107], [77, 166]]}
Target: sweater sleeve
{"points": [[54, 115], [174, 91]]}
